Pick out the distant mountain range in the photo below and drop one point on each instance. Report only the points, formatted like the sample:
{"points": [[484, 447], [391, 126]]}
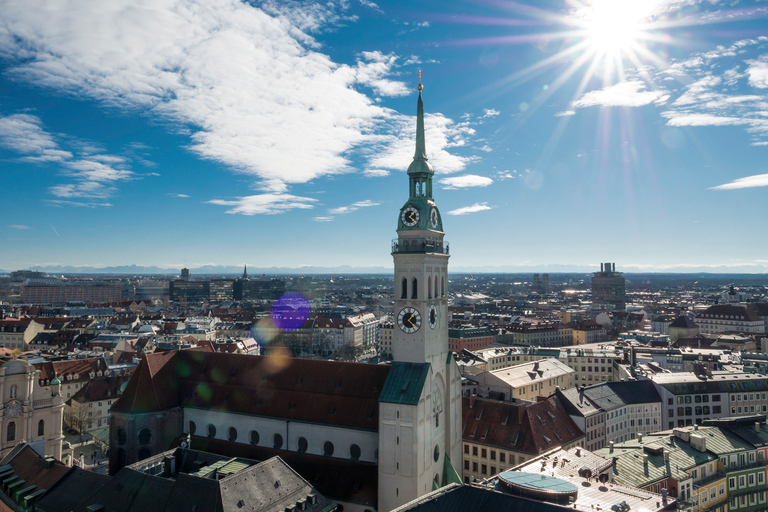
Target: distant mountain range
{"points": [[347, 269]]}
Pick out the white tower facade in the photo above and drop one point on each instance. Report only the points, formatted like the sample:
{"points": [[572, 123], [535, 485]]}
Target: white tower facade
{"points": [[420, 407]]}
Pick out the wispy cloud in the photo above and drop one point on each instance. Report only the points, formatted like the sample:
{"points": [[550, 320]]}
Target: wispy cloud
{"points": [[182, 196], [94, 174], [477, 207], [758, 180], [323, 219], [630, 93], [489, 112], [18, 226], [301, 116], [376, 173], [466, 181], [268, 204], [353, 207], [565, 113]]}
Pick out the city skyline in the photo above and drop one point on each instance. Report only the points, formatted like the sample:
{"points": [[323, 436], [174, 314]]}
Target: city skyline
{"points": [[278, 135]]}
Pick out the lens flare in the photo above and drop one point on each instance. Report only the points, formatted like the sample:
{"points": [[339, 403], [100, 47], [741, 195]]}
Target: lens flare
{"points": [[290, 311]]}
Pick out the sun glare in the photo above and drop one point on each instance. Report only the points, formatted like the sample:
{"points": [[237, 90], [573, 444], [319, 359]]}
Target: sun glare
{"points": [[612, 27]]}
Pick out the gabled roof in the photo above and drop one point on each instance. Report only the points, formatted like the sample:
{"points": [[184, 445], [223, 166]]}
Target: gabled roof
{"points": [[683, 322], [528, 428], [614, 395], [308, 390], [100, 388]]}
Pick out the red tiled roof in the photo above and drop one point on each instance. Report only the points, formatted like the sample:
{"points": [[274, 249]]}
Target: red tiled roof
{"points": [[532, 428], [308, 390]]}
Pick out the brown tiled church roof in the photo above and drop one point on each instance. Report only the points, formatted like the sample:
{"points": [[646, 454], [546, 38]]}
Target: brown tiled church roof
{"points": [[316, 391]]}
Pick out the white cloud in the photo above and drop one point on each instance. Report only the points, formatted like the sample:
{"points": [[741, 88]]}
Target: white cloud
{"points": [[323, 219], [489, 112], [94, 175], [630, 93], [247, 80], [376, 173], [394, 150], [759, 180], [18, 226], [565, 113], [691, 119], [762, 143], [182, 196], [477, 207], [265, 204], [24, 134], [353, 207], [468, 180], [758, 72]]}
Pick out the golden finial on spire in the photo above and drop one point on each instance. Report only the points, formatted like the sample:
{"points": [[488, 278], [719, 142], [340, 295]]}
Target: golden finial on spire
{"points": [[420, 75]]}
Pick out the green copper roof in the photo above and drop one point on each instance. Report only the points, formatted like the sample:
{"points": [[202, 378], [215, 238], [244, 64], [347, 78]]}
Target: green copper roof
{"points": [[404, 383], [420, 164], [450, 475]]}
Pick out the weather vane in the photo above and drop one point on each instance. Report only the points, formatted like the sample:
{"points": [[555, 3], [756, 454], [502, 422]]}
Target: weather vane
{"points": [[420, 75]]}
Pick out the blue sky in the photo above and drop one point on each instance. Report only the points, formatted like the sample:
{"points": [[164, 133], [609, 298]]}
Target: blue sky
{"points": [[278, 133]]}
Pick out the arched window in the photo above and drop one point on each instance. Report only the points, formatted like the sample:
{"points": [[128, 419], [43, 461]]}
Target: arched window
{"points": [[328, 449], [429, 287], [145, 436], [443, 290], [303, 445], [211, 430], [121, 437], [41, 428], [404, 291], [254, 437], [232, 434], [192, 428], [11, 432], [354, 452], [436, 280], [415, 292], [278, 439]]}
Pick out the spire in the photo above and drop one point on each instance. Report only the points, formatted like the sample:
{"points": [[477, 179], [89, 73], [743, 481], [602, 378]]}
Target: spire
{"points": [[245, 271], [420, 164]]}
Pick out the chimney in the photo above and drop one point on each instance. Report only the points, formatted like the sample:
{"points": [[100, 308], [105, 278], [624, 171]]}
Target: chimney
{"points": [[757, 427], [640, 437], [611, 446], [666, 455], [578, 452], [695, 426], [645, 459], [472, 400]]}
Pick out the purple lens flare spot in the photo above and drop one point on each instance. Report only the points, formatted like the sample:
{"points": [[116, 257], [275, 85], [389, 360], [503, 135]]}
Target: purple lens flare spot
{"points": [[290, 311]]}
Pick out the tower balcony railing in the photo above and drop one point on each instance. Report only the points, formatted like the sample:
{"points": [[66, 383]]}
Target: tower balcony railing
{"points": [[419, 245]]}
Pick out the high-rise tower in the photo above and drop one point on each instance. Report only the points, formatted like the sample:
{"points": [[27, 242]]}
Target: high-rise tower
{"points": [[420, 429]]}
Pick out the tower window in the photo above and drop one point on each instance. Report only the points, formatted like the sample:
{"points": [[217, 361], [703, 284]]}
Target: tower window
{"points": [[404, 291], [436, 280], [443, 290], [41, 428], [415, 291], [429, 287]]}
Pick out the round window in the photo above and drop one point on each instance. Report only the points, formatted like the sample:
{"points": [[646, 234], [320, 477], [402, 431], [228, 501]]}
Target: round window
{"points": [[254, 437]]}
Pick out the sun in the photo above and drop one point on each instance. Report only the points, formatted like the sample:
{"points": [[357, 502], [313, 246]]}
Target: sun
{"points": [[615, 27]]}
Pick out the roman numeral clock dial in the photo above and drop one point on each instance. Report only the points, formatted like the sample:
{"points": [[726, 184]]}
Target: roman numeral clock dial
{"points": [[409, 320]]}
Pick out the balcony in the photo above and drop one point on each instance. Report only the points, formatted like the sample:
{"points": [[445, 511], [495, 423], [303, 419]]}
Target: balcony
{"points": [[703, 482], [419, 245]]}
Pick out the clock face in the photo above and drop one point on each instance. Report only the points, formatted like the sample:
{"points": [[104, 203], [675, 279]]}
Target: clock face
{"points": [[433, 218], [410, 216], [432, 316], [409, 320]]}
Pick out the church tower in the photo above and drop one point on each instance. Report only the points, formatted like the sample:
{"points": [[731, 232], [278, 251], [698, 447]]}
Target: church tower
{"points": [[420, 430]]}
